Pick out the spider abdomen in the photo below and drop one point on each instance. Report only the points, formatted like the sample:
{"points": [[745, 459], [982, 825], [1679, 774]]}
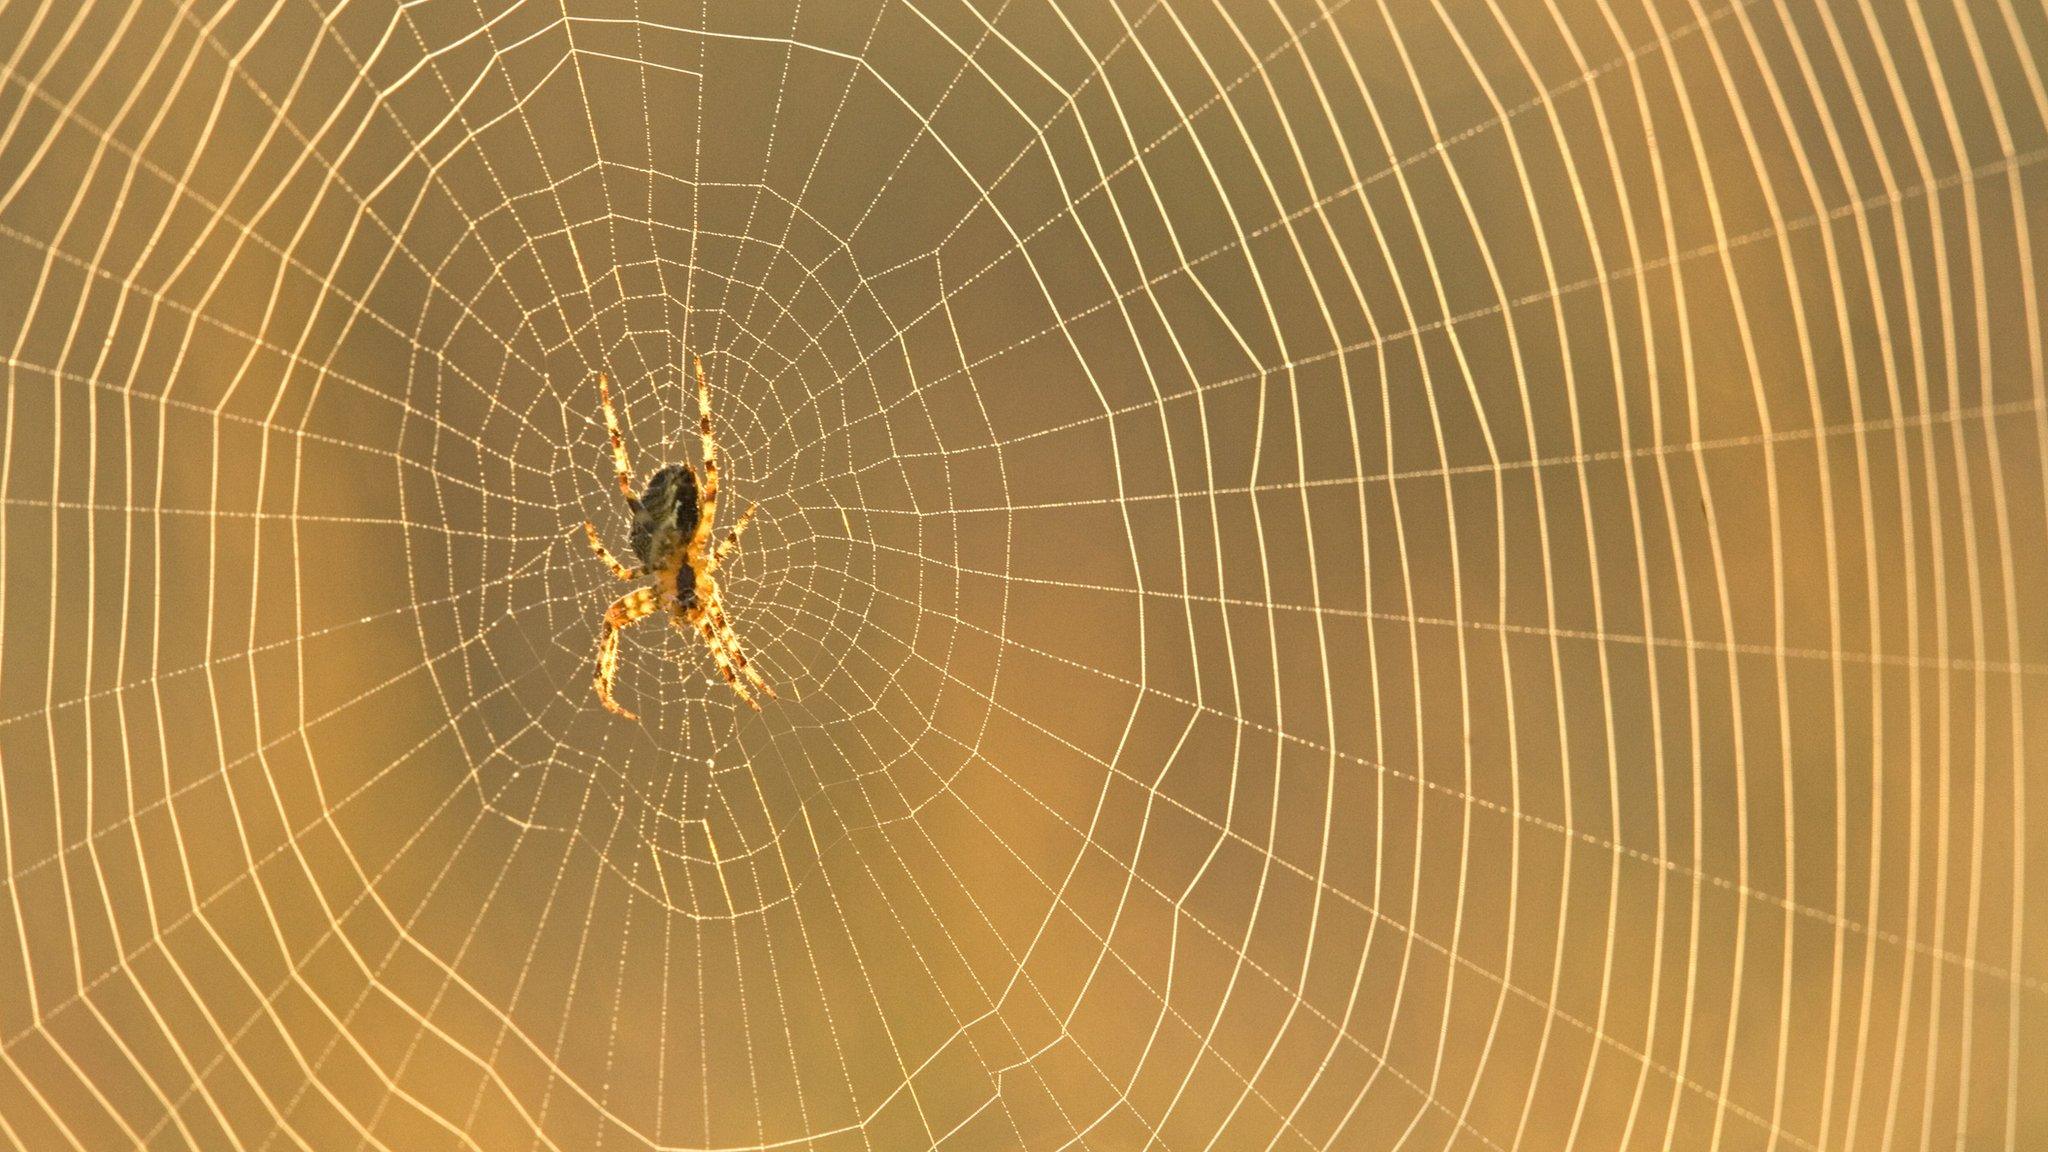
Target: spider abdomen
{"points": [[666, 518]]}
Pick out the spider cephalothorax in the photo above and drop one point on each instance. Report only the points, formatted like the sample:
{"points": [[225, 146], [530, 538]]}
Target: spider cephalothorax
{"points": [[673, 518]]}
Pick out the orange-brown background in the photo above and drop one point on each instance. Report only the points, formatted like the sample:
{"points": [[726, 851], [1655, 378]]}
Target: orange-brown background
{"points": [[1365, 575]]}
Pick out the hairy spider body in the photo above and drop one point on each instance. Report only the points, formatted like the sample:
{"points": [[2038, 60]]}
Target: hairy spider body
{"points": [[671, 529], [663, 523]]}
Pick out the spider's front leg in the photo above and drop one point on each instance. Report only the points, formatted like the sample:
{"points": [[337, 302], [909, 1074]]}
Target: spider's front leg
{"points": [[707, 493], [622, 465]]}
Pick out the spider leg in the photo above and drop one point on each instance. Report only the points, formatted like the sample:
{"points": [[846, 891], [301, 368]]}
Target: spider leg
{"points": [[724, 647], [754, 677], [625, 610], [722, 633], [707, 612], [621, 463], [731, 543], [707, 493], [752, 674], [605, 554], [724, 660]]}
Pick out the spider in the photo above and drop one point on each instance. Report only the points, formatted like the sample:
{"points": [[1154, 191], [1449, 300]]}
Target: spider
{"points": [[671, 534]]}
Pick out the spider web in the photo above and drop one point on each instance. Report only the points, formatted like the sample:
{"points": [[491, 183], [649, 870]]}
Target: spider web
{"points": [[1348, 575]]}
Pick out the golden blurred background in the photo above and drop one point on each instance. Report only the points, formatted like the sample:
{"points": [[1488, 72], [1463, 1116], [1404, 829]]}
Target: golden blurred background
{"points": [[1341, 575]]}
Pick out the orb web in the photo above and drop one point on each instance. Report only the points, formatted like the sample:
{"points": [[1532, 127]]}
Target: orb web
{"points": [[1338, 575]]}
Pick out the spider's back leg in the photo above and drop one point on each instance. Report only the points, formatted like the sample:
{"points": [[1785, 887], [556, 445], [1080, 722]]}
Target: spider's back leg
{"points": [[726, 650], [727, 660], [634, 605]]}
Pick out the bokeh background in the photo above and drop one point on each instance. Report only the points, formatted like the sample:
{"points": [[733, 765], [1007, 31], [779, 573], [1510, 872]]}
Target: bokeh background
{"points": [[1359, 575]]}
